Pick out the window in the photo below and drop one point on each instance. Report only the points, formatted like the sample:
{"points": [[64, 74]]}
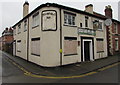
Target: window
{"points": [[19, 46], [35, 46], [70, 46], [35, 19], [14, 31], [25, 25], [81, 25], [19, 28], [69, 19], [115, 27], [100, 45], [95, 24], [116, 44], [100, 26], [86, 21]]}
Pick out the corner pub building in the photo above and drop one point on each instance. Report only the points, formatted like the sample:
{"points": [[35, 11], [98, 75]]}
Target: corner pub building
{"points": [[54, 35]]}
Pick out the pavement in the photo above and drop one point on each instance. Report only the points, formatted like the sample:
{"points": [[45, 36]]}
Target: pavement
{"points": [[67, 70]]}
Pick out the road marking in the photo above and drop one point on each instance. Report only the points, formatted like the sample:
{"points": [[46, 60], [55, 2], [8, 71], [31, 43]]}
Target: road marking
{"points": [[52, 77], [27, 73]]}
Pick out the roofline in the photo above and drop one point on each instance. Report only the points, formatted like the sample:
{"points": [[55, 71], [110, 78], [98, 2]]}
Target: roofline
{"points": [[62, 7]]}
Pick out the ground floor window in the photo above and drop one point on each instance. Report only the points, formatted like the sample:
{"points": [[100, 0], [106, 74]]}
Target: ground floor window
{"points": [[116, 45], [100, 45], [35, 46], [19, 46], [70, 46]]}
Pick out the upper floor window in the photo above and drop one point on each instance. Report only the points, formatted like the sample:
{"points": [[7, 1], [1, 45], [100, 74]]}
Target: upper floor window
{"points": [[115, 27], [14, 31], [116, 45], [100, 26], [69, 19], [97, 25], [86, 21], [19, 28], [35, 19], [25, 25]]}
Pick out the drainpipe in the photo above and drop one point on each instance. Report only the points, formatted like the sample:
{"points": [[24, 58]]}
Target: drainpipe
{"points": [[60, 39], [28, 41]]}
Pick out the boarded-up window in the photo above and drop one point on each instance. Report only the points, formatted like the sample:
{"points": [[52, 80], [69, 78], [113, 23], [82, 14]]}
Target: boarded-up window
{"points": [[100, 45], [70, 45], [35, 46], [19, 46]]}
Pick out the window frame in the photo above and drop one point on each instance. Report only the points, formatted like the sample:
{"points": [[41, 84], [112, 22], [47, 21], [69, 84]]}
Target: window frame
{"points": [[70, 39], [115, 28], [35, 39], [69, 19], [19, 28], [35, 20], [86, 22], [116, 45], [18, 50], [99, 39], [25, 25]]}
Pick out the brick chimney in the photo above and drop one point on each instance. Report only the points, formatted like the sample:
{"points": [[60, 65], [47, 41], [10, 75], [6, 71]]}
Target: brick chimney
{"points": [[6, 29], [108, 11], [89, 8], [25, 8]]}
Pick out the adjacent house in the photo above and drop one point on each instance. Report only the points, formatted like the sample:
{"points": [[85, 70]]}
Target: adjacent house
{"points": [[0, 43], [54, 35], [7, 40]]}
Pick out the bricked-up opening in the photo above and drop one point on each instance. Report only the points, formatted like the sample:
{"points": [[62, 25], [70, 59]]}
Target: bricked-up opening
{"points": [[35, 46], [70, 46]]}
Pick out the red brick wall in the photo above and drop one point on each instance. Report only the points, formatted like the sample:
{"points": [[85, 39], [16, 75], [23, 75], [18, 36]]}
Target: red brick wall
{"points": [[116, 36]]}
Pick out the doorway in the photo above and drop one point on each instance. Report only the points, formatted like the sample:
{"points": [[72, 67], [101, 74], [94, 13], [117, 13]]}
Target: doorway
{"points": [[87, 50]]}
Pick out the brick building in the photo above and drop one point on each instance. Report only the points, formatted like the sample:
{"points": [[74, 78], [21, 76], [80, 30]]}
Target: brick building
{"points": [[113, 33], [7, 39]]}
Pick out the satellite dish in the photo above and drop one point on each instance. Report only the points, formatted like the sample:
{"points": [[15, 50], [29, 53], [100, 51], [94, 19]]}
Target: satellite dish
{"points": [[108, 22]]}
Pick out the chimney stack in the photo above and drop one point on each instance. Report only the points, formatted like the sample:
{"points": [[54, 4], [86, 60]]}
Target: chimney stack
{"points": [[25, 8], [108, 11], [89, 8]]}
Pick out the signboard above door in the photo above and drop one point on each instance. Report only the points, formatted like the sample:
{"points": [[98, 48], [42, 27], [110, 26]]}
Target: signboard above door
{"points": [[86, 31]]}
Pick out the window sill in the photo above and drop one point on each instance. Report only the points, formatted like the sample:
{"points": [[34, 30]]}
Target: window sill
{"points": [[100, 30], [19, 32], [18, 51], [69, 25], [100, 51], [25, 30], [70, 54], [35, 26], [35, 54]]}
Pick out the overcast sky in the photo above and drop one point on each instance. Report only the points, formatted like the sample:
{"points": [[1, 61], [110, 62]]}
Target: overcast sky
{"points": [[11, 11]]}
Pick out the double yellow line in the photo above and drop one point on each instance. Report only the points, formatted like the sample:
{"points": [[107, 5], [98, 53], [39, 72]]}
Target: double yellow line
{"points": [[27, 73]]}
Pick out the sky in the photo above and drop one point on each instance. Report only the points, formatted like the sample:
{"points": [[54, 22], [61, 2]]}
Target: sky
{"points": [[11, 11]]}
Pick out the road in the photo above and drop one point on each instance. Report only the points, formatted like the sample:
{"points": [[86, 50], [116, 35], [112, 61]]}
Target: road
{"points": [[12, 74]]}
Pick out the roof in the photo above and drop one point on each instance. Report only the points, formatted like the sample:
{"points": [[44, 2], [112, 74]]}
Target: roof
{"points": [[103, 16], [96, 15]]}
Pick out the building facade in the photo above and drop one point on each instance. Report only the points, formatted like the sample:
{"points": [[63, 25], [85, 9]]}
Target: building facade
{"points": [[113, 33], [7, 40], [55, 35]]}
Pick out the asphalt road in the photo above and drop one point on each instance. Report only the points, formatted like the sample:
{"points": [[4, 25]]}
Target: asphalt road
{"points": [[12, 74]]}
